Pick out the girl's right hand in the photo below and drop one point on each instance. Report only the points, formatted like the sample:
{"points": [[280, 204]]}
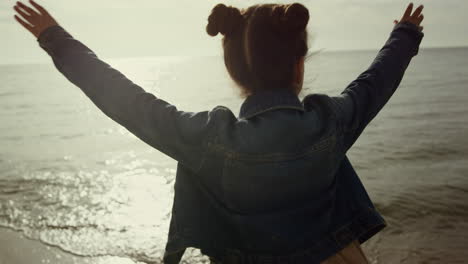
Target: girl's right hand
{"points": [[415, 18]]}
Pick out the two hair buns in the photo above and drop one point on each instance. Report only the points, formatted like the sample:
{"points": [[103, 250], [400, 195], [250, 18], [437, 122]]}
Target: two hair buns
{"points": [[286, 18]]}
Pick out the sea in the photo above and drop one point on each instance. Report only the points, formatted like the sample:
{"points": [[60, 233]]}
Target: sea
{"points": [[72, 178]]}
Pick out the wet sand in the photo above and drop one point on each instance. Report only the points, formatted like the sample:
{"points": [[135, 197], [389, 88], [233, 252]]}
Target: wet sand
{"points": [[412, 246], [15, 248]]}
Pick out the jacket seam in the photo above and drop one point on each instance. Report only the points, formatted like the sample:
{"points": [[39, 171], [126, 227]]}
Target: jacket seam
{"points": [[273, 108], [204, 154], [277, 156]]}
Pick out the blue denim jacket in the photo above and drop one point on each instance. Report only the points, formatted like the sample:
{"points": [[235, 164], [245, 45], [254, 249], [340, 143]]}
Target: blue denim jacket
{"points": [[268, 185]]}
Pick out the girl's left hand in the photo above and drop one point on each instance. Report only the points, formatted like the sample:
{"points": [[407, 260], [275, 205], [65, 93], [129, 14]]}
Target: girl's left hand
{"points": [[38, 21]]}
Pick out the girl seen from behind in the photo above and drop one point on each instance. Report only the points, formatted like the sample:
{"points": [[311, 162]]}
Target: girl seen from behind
{"points": [[273, 183]]}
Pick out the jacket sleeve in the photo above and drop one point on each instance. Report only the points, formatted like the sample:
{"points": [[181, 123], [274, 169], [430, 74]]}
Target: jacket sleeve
{"points": [[180, 135], [364, 97]]}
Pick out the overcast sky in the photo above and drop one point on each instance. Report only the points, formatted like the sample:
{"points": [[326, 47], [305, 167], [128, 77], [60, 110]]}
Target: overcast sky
{"points": [[125, 28]]}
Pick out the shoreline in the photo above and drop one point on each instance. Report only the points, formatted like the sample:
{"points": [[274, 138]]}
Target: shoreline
{"points": [[16, 248]]}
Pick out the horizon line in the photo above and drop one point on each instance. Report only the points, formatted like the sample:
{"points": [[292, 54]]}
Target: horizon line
{"points": [[321, 50]]}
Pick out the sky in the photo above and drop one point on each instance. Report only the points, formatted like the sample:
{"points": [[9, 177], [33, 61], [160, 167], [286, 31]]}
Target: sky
{"points": [[137, 28]]}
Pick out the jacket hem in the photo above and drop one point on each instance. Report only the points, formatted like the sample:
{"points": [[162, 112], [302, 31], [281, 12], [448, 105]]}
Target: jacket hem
{"points": [[362, 227], [365, 225]]}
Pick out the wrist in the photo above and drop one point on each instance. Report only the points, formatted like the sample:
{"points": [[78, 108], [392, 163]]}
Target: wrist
{"points": [[412, 31], [44, 33]]}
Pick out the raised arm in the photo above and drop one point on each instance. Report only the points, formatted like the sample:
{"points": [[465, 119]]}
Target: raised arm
{"points": [[364, 97], [179, 134]]}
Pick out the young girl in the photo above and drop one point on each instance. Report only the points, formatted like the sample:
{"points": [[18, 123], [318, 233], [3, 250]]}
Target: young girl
{"points": [[273, 184]]}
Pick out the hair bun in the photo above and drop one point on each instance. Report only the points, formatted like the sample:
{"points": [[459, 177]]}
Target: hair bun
{"points": [[291, 18], [297, 17], [223, 19]]}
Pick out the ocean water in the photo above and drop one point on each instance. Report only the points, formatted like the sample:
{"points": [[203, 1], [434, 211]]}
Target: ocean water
{"points": [[72, 178]]}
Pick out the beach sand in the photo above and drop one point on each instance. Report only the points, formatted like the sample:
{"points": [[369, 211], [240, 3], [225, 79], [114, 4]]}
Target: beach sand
{"points": [[15, 248], [412, 246]]}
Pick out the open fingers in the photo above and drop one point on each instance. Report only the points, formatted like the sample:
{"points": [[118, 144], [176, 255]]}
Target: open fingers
{"points": [[419, 19], [39, 7], [22, 13], [408, 11], [34, 21], [31, 11], [24, 24], [415, 17], [418, 11]]}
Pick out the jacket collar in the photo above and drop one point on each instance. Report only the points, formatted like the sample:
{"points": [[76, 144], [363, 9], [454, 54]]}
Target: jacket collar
{"points": [[266, 100]]}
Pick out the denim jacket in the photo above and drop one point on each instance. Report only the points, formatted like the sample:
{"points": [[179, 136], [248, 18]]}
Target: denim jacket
{"points": [[269, 185]]}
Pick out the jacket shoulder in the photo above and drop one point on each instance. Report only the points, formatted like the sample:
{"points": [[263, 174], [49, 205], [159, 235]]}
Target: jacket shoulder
{"points": [[322, 103], [221, 118], [222, 112]]}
